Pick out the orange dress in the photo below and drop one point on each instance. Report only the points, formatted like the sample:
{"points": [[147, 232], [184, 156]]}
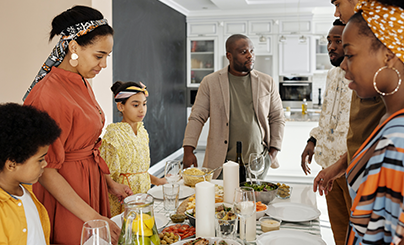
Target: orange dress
{"points": [[70, 101]]}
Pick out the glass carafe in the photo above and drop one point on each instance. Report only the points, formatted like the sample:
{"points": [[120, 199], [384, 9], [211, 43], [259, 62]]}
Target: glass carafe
{"points": [[139, 226]]}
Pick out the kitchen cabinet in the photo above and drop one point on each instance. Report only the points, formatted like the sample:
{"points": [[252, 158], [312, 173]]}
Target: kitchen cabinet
{"points": [[259, 27], [235, 27], [295, 26], [295, 56], [262, 45], [202, 29], [202, 59], [321, 56]]}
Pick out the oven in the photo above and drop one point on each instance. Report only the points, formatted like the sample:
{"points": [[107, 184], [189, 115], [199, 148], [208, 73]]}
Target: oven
{"points": [[294, 89]]}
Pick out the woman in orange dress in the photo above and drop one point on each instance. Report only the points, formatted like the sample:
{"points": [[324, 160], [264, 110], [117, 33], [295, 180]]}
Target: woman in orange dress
{"points": [[73, 187]]}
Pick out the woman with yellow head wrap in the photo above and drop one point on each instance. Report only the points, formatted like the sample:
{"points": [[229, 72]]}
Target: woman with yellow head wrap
{"points": [[374, 56]]}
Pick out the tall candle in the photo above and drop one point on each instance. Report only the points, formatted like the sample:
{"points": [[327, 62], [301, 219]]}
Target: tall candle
{"points": [[230, 180], [205, 209]]}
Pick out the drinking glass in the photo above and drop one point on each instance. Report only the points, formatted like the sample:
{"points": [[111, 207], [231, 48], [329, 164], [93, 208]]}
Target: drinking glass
{"points": [[172, 171], [95, 232], [256, 164], [244, 206], [170, 194]]}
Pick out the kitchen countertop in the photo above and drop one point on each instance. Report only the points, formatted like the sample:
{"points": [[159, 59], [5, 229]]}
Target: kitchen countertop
{"points": [[297, 116]]}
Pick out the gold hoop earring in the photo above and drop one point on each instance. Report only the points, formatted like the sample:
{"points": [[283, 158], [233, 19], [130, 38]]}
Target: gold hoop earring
{"points": [[74, 60], [377, 73]]}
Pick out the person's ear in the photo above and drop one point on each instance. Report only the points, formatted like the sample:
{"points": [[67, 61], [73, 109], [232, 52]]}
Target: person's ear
{"points": [[390, 58], [10, 165], [73, 45], [119, 105], [229, 56]]}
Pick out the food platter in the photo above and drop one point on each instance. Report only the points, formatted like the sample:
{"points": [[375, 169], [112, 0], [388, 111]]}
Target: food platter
{"points": [[185, 191], [287, 237], [160, 219], [211, 241], [292, 212]]}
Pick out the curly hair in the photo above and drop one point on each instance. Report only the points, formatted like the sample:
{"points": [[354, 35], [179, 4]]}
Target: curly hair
{"points": [[23, 129]]}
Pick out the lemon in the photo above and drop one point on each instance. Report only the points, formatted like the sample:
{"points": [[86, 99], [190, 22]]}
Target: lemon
{"points": [[143, 225]]}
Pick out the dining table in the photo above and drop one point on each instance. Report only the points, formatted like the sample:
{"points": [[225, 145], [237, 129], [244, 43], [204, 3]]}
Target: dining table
{"points": [[301, 194]]}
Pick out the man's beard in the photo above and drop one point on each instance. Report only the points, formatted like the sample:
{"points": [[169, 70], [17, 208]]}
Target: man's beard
{"points": [[337, 62]]}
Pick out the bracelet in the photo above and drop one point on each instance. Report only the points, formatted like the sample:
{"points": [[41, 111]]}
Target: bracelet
{"points": [[312, 139]]}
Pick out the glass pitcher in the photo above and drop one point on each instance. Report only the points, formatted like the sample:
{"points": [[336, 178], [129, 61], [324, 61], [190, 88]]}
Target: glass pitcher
{"points": [[139, 226]]}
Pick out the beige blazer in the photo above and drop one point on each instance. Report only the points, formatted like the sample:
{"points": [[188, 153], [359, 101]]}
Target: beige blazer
{"points": [[213, 100]]}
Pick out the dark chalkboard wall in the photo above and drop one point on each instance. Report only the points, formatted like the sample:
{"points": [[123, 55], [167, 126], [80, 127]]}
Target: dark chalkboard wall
{"points": [[150, 46]]}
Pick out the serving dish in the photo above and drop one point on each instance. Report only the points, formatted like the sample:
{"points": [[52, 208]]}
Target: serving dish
{"points": [[211, 241], [191, 179], [157, 192], [265, 197]]}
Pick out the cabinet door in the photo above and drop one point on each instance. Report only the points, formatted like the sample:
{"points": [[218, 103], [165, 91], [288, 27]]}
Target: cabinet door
{"points": [[202, 59], [202, 29], [294, 56], [295, 26], [260, 27], [262, 45], [231, 28]]}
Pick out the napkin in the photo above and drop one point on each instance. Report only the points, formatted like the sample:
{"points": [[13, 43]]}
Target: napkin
{"points": [[230, 180], [205, 209]]}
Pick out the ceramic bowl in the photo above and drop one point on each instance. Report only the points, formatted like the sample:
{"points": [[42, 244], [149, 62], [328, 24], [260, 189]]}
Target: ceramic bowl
{"points": [[265, 197], [192, 180]]}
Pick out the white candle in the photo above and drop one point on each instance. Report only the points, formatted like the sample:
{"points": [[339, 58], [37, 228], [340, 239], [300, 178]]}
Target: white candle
{"points": [[205, 209], [230, 180]]}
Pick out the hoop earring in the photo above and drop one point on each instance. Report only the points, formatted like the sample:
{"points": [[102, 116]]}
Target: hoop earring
{"points": [[73, 60], [377, 73]]}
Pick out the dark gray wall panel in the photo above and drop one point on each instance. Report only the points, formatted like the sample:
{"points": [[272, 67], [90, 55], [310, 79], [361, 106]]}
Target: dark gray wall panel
{"points": [[150, 46]]}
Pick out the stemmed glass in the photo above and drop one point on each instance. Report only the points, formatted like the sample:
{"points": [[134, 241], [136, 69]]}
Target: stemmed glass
{"points": [[95, 232], [172, 171], [256, 164], [244, 207]]}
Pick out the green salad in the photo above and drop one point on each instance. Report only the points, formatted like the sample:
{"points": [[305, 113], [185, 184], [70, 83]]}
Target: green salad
{"points": [[261, 187]]}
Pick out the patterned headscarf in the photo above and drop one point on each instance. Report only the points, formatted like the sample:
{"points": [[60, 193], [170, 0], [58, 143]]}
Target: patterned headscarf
{"points": [[129, 91], [59, 51], [386, 22]]}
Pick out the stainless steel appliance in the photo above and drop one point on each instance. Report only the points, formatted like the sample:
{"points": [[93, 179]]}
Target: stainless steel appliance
{"points": [[294, 89]]}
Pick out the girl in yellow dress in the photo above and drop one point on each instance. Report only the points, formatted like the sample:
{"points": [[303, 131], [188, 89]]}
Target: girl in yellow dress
{"points": [[125, 145]]}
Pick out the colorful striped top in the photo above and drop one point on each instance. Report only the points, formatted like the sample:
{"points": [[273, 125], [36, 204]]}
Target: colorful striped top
{"points": [[376, 184]]}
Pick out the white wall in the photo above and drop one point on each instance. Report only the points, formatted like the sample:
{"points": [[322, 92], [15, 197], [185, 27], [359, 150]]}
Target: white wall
{"points": [[25, 27]]}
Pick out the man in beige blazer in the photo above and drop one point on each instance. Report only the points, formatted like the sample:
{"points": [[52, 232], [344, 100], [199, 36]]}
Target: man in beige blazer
{"points": [[243, 105]]}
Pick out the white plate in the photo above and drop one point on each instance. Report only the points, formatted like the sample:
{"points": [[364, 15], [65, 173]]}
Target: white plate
{"points": [[160, 219], [211, 241], [287, 237], [292, 212], [185, 191]]}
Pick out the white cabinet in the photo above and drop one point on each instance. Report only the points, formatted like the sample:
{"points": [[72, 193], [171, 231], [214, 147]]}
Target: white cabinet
{"points": [[202, 59], [295, 26], [235, 27], [202, 29], [259, 27], [322, 58], [295, 56], [262, 45]]}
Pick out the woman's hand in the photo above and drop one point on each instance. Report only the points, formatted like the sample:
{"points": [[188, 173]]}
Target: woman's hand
{"points": [[121, 191], [325, 178], [114, 230]]}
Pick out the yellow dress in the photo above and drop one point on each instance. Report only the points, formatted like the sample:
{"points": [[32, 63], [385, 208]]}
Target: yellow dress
{"points": [[126, 154]]}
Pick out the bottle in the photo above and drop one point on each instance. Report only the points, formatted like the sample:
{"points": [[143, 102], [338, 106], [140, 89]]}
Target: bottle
{"points": [[242, 173], [304, 107], [319, 96]]}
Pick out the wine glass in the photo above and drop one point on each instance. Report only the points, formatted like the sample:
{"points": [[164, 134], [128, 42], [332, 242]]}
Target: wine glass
{"points": [[244, 206], [256, 164], [95, 232], [172, 171]]}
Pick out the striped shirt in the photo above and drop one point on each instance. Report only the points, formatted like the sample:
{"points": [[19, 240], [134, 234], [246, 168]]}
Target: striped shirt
{"points": [[376, 184]]}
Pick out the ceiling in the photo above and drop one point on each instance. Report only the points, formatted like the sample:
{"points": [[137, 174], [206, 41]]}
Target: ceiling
{"points": [[209, 7]]}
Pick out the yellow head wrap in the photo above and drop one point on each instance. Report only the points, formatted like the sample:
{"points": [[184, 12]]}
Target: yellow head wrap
{"points": [[386, 22]]}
